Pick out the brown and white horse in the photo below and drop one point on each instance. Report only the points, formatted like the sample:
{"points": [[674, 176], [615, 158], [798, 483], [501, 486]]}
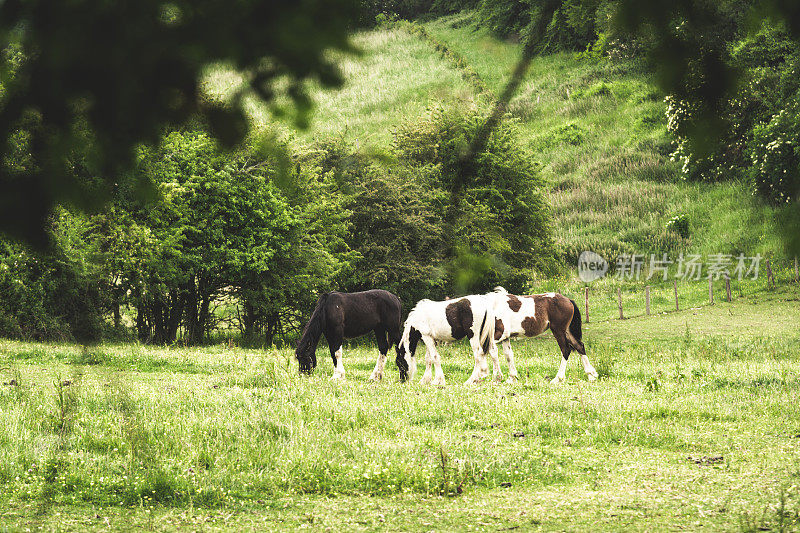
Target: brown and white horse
{"points": [[532, 315], [429, 321]]}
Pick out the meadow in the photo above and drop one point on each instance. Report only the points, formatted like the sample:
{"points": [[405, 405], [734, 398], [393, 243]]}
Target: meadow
{"points": [[693, 424]]}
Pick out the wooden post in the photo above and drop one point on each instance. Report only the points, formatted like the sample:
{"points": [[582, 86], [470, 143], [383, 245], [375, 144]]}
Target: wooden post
{"points": [[728, 287], [647, 299], [586, 302], [796, 277], [619, 301], [675, 286], [710, 290], [770, 279]]}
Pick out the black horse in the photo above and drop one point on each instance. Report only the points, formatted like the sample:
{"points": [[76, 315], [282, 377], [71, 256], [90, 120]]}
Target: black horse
{"points": [[342, 315]]}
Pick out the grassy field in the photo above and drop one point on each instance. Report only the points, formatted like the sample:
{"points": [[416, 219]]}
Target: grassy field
{"points": [[694, 424]]}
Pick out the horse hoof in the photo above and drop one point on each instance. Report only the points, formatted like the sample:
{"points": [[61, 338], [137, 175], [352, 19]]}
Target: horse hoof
{"points": [[591, 377], [337, 376], [557, 380], [376, 377], [438, 382], [511, 379]]}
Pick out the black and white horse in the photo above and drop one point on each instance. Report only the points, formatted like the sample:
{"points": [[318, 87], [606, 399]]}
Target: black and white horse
{"points": [[532, 315], [342, 315], [430, 321]]}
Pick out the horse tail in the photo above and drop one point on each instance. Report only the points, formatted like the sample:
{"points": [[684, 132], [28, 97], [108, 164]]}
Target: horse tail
{"points": [[307, 345], [488, 331], [404, 340], [576, 335]]}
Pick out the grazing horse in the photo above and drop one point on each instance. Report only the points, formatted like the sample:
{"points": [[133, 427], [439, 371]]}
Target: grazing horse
{"points": [[430, 321], [532, 315], [342, 315]]}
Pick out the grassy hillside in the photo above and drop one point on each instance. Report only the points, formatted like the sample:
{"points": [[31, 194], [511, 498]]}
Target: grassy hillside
{"points": [[598, 130]]}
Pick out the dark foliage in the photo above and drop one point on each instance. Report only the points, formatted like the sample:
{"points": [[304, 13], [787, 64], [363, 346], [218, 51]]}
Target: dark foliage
{"points": [[86, 82]]}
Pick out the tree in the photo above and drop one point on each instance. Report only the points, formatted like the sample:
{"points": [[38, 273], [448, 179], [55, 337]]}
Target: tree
{"points": [[88, 82], [500, 232]]}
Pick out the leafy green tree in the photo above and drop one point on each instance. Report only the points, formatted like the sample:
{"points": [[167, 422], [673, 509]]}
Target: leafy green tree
{"points": [[55, 295], [220, 234], [502, 212]]}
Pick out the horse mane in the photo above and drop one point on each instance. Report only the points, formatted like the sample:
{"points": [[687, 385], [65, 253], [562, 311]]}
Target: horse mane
{"points": [[307, 344], [500, 290]]}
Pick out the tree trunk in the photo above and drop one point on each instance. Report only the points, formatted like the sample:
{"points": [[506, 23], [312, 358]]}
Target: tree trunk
{"points": [[190, 304], [249, 321]]}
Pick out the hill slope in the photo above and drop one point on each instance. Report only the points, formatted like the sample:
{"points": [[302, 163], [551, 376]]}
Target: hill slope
{"points": [[598, 130]]}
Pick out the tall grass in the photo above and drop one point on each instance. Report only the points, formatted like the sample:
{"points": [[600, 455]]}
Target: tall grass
{"points": [[249, 432]]}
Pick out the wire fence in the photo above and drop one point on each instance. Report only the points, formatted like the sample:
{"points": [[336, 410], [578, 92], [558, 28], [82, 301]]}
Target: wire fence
{"points": [[614, 299]]}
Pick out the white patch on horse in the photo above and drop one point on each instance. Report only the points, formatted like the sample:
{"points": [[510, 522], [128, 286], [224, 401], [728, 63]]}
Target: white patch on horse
{"points": [[338, 372], [562, 373], [591, 373], [380, 364]]}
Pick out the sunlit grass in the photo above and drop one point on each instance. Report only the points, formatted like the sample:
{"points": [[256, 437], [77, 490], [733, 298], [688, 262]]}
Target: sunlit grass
{"points": [[185, 433]]}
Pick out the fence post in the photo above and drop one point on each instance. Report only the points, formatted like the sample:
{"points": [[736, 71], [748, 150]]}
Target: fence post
{"points": [[619, 302], [675, 286], [586, 302], [647, 299], [770, 279], [796, 277], [710, 290], [728, 286]]}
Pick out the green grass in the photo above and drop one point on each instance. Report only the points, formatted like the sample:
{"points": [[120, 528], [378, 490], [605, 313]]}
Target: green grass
{"points": [[226, 438]]}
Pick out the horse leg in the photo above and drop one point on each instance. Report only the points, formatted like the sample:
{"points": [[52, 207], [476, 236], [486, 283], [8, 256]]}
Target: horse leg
{"points": [[481, 369], [512, 369], [393, 337], [497, 372], [430, 350], [438, 375], [335, 344], [383, 348], [565, 350], [591, 373]]}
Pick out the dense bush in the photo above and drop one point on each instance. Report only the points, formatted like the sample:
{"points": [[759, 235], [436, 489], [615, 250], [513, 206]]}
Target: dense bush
{"points": [[571, 25], [54, 294], [775, 154], [502, 211], [375, 10], [759, 137]]}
